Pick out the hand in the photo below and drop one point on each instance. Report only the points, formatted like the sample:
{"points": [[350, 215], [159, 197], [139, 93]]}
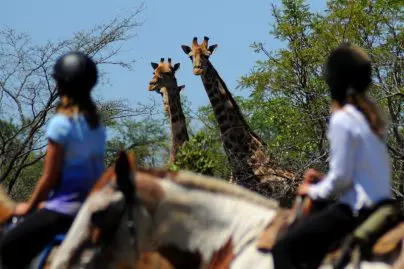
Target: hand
{"points": [[303, 189], [311, 176], [41, 205], [22, 209]]}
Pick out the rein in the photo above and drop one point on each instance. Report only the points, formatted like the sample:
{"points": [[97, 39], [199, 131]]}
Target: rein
{"points": [[129, 202]]}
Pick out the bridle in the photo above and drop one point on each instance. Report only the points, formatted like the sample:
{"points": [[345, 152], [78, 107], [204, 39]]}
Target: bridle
{"points": [[129, 191], [130, 201]]}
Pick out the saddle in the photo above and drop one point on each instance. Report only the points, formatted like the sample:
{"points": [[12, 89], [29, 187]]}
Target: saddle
{"points": [[379, 235]]}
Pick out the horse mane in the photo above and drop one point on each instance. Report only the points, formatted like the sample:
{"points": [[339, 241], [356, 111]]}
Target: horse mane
{"points": [[215, 185], [193, 180]]}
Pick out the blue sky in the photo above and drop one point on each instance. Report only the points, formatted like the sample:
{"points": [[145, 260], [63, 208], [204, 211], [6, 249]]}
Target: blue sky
{"points": [[233, 25]]}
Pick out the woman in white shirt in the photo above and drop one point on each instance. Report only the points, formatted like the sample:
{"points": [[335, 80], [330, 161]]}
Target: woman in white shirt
{"points": [[359, 173]]}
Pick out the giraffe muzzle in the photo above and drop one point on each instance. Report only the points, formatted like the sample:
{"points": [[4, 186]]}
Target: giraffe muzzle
{"points": [[152, 86], [198, 71]]}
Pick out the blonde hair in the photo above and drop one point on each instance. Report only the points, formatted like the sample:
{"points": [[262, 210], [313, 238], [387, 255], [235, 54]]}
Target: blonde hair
{"points": [[71, 106], [374, 115]]}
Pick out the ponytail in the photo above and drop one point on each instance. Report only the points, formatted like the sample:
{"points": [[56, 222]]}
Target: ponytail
{"points": [[349, 75], [70, 106], [373, 114]]}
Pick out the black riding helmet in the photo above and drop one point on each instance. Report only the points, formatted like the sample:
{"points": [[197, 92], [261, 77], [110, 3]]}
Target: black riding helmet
{"points": [[75, 73], [348, 71]]}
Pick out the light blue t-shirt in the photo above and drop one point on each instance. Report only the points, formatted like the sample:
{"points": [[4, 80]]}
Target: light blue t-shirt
{"points": [[83, 162]]}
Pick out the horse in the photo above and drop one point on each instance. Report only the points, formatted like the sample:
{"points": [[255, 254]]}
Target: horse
{"points": [[194, 221], [147, 260]]}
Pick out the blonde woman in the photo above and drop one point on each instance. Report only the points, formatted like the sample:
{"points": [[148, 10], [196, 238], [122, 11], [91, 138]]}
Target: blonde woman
{"points": [[73, 162]]}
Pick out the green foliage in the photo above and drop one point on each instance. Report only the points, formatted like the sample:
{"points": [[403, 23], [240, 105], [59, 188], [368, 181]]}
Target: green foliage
{"points": [[200, 154], [211, 131], [28, 172], [195, 156], [147, 139], [283, 127], [289, 103], [27, 179]]}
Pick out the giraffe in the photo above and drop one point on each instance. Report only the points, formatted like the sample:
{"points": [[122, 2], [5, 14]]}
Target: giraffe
{"points": [[251, 166], [165, 83]]}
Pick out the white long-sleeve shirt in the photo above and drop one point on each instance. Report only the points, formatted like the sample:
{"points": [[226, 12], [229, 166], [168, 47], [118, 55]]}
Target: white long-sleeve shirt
{"points": [[359, 163]]}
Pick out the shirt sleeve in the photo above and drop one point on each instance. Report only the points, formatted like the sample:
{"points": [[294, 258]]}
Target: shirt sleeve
{"points": [[342, 155], [58, 129]]}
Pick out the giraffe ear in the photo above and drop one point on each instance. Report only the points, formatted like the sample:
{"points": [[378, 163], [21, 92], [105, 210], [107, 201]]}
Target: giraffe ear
{"points": [[154, 65], [212, 48], [176, 66], [186, 49], [180, 88]]}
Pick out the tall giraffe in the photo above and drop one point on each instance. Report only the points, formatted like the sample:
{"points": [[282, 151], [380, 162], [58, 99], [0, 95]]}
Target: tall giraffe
{"points": [[165, 83], [245, 150]]}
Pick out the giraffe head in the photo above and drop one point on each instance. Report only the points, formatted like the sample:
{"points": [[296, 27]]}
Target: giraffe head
{"points": [[199, 54], [163, 75], [164, 79]]}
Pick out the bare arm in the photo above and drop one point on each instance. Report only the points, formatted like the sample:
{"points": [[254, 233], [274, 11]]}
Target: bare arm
{"points": [[50, 176]]}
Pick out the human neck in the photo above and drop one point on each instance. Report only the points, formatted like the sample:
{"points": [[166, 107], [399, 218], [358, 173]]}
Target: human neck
{"points": [[335, 106]]}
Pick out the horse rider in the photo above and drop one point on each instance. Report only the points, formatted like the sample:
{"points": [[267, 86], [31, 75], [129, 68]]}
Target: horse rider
{"points": [[359, 174], [74, 161]]}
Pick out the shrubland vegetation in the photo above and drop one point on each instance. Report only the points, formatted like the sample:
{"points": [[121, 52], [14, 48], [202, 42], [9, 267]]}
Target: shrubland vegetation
{"points": [[288, 104]]}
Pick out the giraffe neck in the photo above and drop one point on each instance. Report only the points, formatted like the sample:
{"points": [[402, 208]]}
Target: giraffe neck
{"points": [[179, 133], [240, 143]]}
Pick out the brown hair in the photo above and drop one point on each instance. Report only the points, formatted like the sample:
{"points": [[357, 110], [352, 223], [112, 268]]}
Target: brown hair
{"points": [[70, 106], [349, 76], [372, 112]]}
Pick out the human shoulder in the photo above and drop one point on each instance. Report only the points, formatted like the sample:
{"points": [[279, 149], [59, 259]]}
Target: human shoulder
{"points": [[340, 119], [59, 128], [344, 122], [60, 120]]}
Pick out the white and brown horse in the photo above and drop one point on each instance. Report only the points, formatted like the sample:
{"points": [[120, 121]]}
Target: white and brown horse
{"points": [[192, 220], [146, 260]]}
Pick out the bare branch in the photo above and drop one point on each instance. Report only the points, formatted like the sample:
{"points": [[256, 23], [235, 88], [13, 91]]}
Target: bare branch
{"points": [[26, 87]]}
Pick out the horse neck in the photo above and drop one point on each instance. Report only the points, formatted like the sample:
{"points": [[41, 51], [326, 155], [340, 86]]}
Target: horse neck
{"points": [[202, 222]]}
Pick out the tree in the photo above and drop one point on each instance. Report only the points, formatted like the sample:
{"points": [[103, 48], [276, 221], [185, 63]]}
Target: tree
{"points": [[200, 155], [146, 138], [204, 153], [27, 179], [289, 101], [28, 94]]}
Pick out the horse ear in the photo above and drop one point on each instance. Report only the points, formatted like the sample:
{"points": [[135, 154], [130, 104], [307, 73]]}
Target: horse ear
{"points": [[124, 170]]}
